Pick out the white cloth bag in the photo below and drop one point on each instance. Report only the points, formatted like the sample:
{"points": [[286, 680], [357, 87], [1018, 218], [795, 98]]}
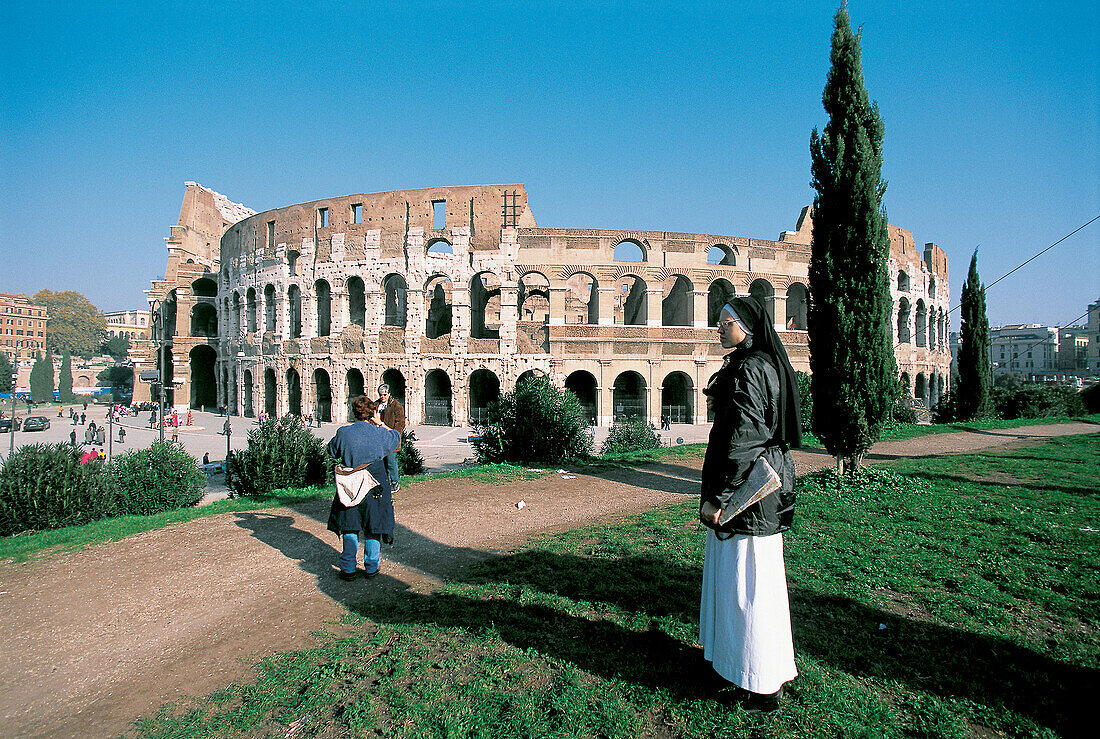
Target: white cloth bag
{"points": [[353, 484]]}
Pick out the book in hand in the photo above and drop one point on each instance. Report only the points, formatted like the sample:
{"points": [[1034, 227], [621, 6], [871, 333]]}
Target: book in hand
{"points": [[763, 480]]}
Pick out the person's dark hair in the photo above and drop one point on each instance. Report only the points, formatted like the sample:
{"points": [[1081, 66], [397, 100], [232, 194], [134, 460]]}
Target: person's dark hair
{"points": [[363, 408]]}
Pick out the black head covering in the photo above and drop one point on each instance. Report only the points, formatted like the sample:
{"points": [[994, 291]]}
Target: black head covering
{"points": [[765, 339]]}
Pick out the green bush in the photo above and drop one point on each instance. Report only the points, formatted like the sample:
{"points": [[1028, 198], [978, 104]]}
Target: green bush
{"points": [[537, 423], [630, 434], [409, 461], [281, 453], [160, 478], [44, 486], [1034, 400], [805, 400]]}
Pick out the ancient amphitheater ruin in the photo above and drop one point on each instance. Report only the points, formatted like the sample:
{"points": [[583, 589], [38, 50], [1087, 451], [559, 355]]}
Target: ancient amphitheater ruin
{"points": [[452, 294]]}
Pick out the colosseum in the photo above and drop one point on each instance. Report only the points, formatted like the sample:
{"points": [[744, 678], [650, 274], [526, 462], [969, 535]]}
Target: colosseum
{"points": [[451, 295]]}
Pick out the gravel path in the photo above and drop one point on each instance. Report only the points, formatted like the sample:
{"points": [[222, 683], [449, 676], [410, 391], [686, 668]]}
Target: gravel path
{"points": [[95, 638]]}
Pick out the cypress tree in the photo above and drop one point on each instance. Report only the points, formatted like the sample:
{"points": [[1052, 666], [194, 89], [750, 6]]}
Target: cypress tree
{"points": [[7, 370], [972, 391], [854, 380], [42, 379], [65, 379]]}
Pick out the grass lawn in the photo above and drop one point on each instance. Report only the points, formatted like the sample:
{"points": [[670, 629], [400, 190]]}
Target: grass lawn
{"points": [[947, 597]]}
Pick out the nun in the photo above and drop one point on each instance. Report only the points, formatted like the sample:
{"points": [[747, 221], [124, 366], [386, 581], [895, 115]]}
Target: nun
{"points": [[744, 612]]}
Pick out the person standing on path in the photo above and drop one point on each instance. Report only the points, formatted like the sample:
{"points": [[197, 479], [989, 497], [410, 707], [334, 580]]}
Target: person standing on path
{"points": [[744, 611], [364, 443], [72, 437], [121, 435], [393, 415]]}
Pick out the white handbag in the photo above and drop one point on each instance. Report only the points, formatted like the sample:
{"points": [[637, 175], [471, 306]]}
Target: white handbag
{"points": [[353, 484]]}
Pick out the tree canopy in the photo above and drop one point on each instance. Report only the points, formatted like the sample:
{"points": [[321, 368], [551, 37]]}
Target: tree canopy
{"points": [[973, 389], [75, 325], [6, 372], [854, 372], [117, 346]]}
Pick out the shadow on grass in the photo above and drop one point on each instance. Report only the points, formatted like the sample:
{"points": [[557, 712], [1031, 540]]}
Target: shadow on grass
{"points": [[845, 634], [1030, 484]]}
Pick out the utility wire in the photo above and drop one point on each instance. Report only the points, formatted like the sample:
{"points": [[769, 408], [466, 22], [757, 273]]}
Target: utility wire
{"points": [[1033, 257], [1016, 355]]}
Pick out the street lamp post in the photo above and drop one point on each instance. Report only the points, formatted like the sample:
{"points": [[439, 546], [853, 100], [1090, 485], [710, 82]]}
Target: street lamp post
{"points": [[14, 381], [159, 329]]}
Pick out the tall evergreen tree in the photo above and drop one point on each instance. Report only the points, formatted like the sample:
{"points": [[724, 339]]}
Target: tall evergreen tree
{"points": [[972, 392], [65, 379], [42, 379], [7, 370], [854, 381]]}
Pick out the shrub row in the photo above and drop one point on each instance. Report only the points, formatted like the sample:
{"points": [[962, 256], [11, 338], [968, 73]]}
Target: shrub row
{"points": [[44, 486]]}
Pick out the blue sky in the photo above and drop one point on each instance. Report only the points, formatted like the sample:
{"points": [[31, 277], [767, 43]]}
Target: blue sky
{"points": [[666, 116]]}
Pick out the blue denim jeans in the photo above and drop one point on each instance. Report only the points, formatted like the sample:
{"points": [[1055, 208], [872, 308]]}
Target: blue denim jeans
{"points": [[372, 548], [391, 468]]}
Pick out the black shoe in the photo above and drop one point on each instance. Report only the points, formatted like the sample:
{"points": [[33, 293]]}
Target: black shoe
{"points": [[347, 576], [369, 575], [750, 702]]}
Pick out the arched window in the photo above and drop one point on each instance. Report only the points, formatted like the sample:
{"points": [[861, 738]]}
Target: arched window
{"points": [[437, 295], [294, 295], [903, 282], [204, 320], [763, 291], [922, 324], [293, 392], [631, 301], [797, 307], [250, 310], [204, 287], [534, 298], [357, 302], [324, 307], [484, 389], [582, 299], [322, 396], [719, 293], [629, 251], [396, 292], [629, 396], [678, 305], [269, 309], [583, 385], [204, 389], [438, 247], [485, 306], [677, 394], [904, 336], [720, 254], [437, 398]]}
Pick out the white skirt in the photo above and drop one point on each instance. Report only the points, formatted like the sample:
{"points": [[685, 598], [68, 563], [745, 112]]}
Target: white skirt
{"points": [[745, 613]]}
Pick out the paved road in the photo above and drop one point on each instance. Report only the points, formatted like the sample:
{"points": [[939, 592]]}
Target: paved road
{"points": [[443, 447]]}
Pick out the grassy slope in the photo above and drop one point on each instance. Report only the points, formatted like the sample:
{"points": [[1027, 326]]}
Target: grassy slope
{"points": [[942, 598]]}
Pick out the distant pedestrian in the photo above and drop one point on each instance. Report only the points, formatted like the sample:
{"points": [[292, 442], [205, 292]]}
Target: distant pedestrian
{"points": [[101, 435], [121, 435], [309, 420], [206, 458], [226, 428], [83, 419], [189, 418], [89, 435], [92, 426], [72, 437], [175, 436]]}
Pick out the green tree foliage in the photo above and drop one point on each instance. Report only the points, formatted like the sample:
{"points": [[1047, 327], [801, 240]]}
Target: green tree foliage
{"points": [[1037, 400], [65, 380], [409, 460], [42, 379], [536, 423], [972, 398], [161, 478], [7, 370], [281, 453], [116, 346], [44, 486], [854, 373], [630, 434], [121, 379], [74, 325]]}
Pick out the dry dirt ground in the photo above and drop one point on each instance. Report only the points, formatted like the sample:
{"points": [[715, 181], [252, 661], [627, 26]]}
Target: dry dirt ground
{"points": [[95, 638]]}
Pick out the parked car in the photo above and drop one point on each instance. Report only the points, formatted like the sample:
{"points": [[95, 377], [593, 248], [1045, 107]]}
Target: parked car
{"points": [[36, 423], [5, 424]]}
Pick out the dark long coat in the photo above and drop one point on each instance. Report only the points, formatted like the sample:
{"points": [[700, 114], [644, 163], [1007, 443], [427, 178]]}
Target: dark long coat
{"points": [[364, 443]]}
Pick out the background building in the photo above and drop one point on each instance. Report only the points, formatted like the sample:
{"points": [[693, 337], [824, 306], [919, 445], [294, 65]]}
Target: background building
{"points": [[452, 295], [129, 324], [22, 328], [1094, 337], [1027, 349]]}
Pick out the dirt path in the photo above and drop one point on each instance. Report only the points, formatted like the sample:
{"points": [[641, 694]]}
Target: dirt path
{"points": [[96, 638]]}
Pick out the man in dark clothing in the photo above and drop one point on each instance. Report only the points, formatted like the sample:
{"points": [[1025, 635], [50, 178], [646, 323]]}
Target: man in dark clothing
{"points": [[393, 415]]}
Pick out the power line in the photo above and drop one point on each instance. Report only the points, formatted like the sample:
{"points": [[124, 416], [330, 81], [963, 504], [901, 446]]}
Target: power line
{"points": [[1033, 257], [1016, 355]]}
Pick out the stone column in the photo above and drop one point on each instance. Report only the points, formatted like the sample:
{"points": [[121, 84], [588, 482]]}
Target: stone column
{"points": [[605, 394], [654, 296], [607, 306], [509, 314], [701, 305], [557, 305], [780, 302], [338, 311]]}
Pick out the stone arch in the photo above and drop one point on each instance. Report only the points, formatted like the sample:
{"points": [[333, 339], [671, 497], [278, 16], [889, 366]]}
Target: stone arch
{"points": [[437, 398], [485, 306], [204, 387], [583, 384], [250, 310], [484, 389], [396, 292], [321, 395], [678, 305], [763, 291], [270, 393], [721, 254], [932, 286], [529, 375], [168, 315], [354, 386], [534, 297], [235, 313], [246, 394], [270, 308], [292, 256], [204, 320], [798, 304], [294, 297], [323, 300], [629, 395], [903, 281], [677, 394], [631, 301], [582, 299], [437, 298], [293, 392], [357, 301], [720, 292], [204, 287], [904, 336], [396, 381], [921, 388], [629, 250], [439, 246], [906, 385], [922, 323]]}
